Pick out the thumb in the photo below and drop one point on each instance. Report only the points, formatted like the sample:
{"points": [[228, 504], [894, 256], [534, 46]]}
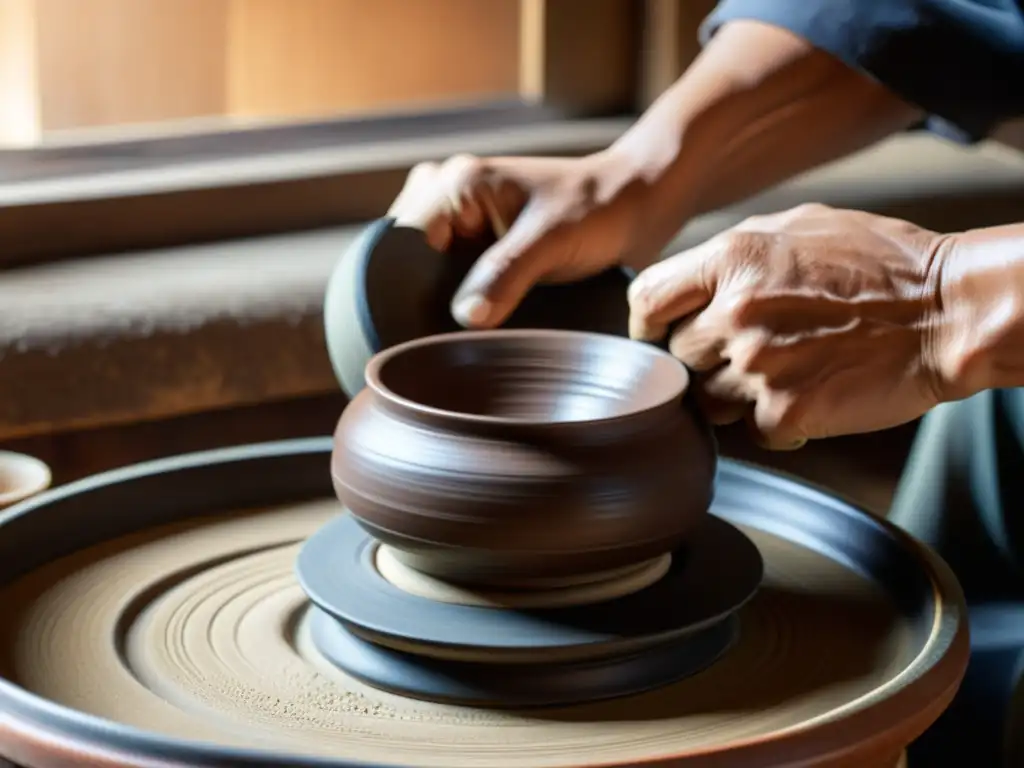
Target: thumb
{"points": [[505, 273]]}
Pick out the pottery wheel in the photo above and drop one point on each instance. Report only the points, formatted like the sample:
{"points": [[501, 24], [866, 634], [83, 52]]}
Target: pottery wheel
{"points": [[196, 634]]}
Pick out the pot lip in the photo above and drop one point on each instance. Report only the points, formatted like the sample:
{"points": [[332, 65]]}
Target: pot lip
{"points": [[378, 361]]}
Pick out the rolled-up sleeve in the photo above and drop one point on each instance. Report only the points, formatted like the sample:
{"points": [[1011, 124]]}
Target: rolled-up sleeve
{"points": [[961, 61]]}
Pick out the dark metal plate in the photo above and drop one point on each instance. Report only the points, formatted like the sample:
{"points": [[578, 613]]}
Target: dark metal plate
{"points": [[719, 572], [526, 685]]}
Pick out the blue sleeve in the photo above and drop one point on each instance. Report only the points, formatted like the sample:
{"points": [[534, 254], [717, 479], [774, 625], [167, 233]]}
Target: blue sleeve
{"points": [[961, 61]]}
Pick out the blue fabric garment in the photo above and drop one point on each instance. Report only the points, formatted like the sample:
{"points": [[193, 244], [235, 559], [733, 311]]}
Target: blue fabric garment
{"points": [[962, 492], [961, 61]]}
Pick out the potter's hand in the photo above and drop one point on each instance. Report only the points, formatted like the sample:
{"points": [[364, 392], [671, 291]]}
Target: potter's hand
{"points": [[809, 323], [566, 219], [757, 106]]}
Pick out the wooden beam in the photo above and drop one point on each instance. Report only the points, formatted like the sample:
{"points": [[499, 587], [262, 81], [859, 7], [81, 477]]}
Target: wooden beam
{"points": [[669, 43], [578, 55]]}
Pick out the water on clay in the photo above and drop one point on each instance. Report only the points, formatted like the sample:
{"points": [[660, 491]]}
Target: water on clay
{"points": [[199, 631]]}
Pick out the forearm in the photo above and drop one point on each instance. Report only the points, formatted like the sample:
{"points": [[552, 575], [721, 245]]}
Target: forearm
{"points": [[978, 338], [758, 106]]}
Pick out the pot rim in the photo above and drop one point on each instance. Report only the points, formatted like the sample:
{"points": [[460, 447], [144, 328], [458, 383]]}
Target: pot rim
{"points": [[377, 362]]}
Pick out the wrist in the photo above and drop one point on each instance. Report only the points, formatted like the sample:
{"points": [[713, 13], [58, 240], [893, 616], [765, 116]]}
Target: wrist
{"points": [[977, 336], [656, 199]]}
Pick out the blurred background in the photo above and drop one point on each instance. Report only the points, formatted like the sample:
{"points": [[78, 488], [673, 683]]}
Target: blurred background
{"points": [[177, 178]]}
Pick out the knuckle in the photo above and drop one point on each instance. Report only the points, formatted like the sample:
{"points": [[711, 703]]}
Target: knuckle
{"points": [[754, 223], [809, 209], [463, 169], [421, 172]]}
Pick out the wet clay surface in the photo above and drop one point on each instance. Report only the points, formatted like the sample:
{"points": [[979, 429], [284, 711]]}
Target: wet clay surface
{"points": [[211, 642]]}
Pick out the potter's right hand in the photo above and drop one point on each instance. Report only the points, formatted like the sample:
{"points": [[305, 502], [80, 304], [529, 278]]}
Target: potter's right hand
{"points": [[551, 219]]}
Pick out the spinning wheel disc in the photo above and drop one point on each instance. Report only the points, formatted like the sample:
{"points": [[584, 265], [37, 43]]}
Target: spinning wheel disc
{"points": [[162, 627]]}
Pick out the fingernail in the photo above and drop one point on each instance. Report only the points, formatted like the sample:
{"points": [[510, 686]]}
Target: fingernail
{"points": [[472, 310]]}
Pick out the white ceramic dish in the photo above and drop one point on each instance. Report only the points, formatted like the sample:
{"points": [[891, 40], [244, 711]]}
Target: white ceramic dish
{"points": [[21, 476]]}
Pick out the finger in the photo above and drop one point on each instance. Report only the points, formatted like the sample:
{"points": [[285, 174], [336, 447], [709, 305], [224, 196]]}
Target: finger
{"points": [[421, 205], [731, 385], [485, 204], [718, 411], [418, 201], [700, 341], [669, 290], [469, 216], [505, 273], [464, 196], [772, 424], [527, 172], [461, 182]]}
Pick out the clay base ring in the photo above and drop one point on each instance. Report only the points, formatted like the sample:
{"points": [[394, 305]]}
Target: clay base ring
{"points": [[423, 585], [535, 584]]}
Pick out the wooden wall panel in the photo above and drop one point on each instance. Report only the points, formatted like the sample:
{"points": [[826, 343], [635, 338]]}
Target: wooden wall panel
{"points": [[291, 58], [112, 62], [579, 55], [84, 64], [19, 108]]}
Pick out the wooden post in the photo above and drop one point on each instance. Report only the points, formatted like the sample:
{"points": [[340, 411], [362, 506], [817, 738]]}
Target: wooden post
{"points": [[669, 43], [578, 56]]}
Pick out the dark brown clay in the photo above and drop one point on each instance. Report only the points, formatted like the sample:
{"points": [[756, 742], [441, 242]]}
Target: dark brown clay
{"points": [[510, 456]]}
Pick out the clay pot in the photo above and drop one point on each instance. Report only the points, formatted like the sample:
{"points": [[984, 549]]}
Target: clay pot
{"points": [[512, 456]]}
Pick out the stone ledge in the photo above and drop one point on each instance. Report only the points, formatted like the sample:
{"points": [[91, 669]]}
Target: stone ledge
{"points": [[164, 333], [152, 335]]}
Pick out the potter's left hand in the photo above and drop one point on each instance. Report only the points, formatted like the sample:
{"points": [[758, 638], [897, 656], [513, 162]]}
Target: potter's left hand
{"points": [[809, 323]]}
